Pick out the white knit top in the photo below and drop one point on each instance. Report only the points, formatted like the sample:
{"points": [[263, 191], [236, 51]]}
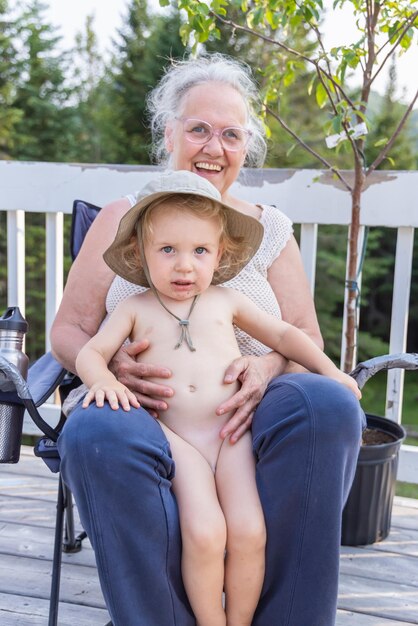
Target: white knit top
{"points": [[252, 280]]}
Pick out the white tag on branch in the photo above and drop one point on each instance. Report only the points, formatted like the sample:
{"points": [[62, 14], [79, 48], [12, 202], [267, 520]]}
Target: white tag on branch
{"points": [[354, 131]]}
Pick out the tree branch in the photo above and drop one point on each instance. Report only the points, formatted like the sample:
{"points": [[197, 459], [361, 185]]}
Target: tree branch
{"points": [[250, 31], [318, 35], [330, 98], [283, 46], [308, 148], [402, 30], [343, 123], [392, 140], [404, 27]]}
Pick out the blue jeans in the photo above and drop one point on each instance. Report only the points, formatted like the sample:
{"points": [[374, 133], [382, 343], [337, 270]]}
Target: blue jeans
{"points": [[306, 434]]}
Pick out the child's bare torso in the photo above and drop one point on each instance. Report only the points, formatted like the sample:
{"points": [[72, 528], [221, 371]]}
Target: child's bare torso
{"points": [[197, 377]]}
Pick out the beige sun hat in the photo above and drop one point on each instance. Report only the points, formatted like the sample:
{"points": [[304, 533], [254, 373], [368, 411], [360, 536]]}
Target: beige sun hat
{"points": [[185, 183]]}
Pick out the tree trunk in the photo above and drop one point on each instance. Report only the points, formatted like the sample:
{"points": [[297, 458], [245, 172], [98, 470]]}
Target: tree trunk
{"points": [[351, 283]]}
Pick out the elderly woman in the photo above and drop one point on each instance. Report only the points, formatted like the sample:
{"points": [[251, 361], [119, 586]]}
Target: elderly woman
{"points": [[306, 428]]}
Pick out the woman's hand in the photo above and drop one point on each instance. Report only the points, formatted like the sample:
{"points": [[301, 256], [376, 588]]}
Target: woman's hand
{"points": [[254, 374], [134, 375]]}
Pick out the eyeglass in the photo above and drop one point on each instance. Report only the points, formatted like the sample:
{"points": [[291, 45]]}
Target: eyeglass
{"points": [[232, 138]]}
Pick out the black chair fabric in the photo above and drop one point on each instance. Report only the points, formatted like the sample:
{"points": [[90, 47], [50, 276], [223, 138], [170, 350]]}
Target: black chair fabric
{"points": [[84, 214]]}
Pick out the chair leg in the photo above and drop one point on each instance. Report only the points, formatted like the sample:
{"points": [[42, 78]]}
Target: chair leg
{"points": [[57, 558], [71, 542], [65, 541]]}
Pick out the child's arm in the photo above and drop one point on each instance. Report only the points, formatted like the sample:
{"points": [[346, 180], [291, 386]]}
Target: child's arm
{"points": [[92, 360], [286, 339]]}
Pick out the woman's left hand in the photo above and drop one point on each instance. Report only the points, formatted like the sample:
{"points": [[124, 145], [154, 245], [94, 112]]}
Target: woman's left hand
{"points": [[254, 374]]}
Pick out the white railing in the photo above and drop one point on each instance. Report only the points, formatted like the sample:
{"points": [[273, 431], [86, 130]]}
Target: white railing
{"points": [[309, 197]]}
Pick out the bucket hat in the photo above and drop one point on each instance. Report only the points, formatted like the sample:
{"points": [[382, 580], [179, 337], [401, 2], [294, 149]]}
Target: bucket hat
{"points": [[162, 187]]}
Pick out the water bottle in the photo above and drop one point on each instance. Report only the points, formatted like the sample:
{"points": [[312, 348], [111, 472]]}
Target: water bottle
{"points": [[13, 327]]}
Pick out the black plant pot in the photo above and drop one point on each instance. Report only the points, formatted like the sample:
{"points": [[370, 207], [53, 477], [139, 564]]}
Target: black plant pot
{"points": [[368, 511]]}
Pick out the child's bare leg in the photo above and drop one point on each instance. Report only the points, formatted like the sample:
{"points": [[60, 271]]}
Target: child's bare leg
{"points": [[246, 533], [203, 531]]}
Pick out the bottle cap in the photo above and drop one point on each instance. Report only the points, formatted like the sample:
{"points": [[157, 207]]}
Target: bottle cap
{"points": [[12, 319]]}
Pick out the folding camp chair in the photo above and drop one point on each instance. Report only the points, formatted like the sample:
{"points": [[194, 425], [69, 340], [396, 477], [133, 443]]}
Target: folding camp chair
{"points": [[44, 377]]}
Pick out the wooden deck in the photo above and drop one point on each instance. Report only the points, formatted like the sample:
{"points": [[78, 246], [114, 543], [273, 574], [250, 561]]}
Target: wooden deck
{"points": [[378, 587]]}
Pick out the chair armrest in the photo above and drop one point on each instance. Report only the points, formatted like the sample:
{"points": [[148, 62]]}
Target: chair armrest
{"points": [[12, 374], [369, 368]]}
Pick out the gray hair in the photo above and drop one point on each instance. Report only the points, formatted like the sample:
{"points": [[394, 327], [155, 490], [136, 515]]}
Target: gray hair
{"points": [[165, 99]]}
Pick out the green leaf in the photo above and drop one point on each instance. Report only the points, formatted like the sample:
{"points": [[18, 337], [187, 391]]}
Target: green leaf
{"points": [[184, 34], [216, 33], [342, 71], [219, 6], [381, 142], [321, 95], [258, 16], [351, 58], [337, 124], [311, 85], [289, 78], [406, 40], [203, 9], [267, 131], [273, 19], [361, 115]]}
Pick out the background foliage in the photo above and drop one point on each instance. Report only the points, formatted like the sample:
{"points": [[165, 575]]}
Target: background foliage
{"points": [[76, 106]]}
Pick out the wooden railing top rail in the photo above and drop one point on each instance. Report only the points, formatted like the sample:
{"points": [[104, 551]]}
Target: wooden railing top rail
{"points": [[306, 196]]}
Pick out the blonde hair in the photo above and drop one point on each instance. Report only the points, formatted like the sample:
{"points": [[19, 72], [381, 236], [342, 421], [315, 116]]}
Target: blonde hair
{"points": [[235, 251]]}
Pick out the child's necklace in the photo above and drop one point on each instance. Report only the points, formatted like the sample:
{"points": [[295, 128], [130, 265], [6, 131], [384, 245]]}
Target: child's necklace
{"points": [[184, 324]]}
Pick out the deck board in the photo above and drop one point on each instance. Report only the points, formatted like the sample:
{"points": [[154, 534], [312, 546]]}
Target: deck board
{"points": [[378, 584], [21, 610]]}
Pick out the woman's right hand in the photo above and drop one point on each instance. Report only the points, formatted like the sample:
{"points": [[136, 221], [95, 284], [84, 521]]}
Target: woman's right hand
{"points": [[134, 375]]}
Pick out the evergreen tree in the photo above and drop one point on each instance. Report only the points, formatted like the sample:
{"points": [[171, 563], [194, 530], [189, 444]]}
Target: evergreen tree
{"points": [[45, 127], [403, 154], [129, 85], [146, 44], [9, 72], [87, 84]]}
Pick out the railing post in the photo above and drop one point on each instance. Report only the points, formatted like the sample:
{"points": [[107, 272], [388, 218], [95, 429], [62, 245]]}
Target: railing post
{"points": [[308, 247], [54, 269], [399, 320], [16, 259]]}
